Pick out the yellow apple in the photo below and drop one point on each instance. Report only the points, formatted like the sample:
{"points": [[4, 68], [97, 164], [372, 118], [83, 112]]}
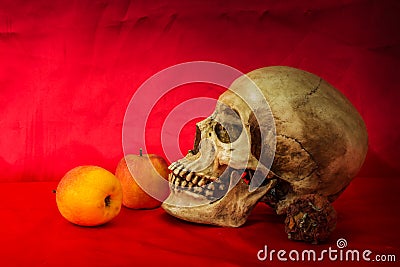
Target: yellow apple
{"points": [[89, 196]]}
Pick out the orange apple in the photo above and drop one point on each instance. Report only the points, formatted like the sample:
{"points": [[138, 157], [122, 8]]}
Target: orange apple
{"points": [[143, 177], [89, 196]]}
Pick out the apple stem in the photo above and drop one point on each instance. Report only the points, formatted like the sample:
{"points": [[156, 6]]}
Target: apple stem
{"points": [[140, 152]]}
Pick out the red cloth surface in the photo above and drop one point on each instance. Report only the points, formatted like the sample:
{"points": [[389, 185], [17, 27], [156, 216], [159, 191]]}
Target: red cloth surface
{"points": [[33, 233], [68, 70]]}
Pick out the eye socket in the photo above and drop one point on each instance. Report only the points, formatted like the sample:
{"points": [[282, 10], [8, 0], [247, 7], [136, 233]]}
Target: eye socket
{"points": [[222, 133], [230, 128]]}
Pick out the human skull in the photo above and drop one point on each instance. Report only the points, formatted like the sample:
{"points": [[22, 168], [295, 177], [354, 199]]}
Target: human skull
{"points": [[279, 135]]}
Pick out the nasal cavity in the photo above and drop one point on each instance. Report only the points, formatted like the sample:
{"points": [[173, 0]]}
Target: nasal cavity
{"points": [[197, 140]]}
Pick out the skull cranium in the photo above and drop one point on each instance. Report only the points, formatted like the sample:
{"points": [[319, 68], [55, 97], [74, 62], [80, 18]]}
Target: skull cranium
{"points": [[279, 135]]}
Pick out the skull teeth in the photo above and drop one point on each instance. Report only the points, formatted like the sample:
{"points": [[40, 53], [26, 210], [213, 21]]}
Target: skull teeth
{"points": [[198, 190], [172, 166], [195, 179], [183, 173], [182, 179], [177, 170], [202, 182], [189, 176], [196, 182], [211, 186]]}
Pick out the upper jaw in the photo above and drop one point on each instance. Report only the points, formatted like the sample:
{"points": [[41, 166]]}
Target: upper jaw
{"points": [[191, 177], [196, 183]]}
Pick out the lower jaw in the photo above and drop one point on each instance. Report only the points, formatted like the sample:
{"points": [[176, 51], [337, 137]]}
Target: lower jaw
{"points": [[223, 212], [196, 208], [185, 199]]}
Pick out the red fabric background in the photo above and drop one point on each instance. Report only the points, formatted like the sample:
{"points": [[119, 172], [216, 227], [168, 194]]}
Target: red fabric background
{"points": [[68, 70]]}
